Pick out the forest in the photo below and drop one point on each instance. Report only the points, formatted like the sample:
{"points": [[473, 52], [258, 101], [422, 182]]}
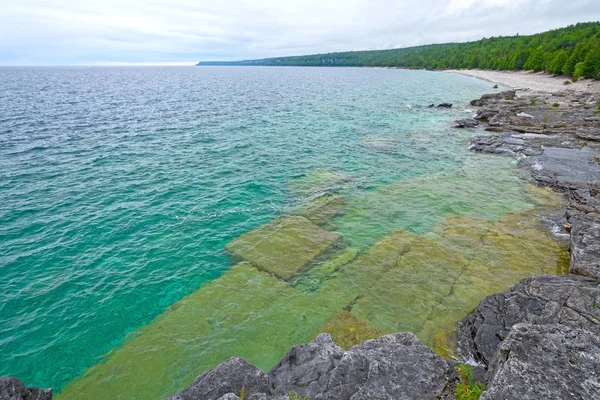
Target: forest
{"points": [[572, 51]]}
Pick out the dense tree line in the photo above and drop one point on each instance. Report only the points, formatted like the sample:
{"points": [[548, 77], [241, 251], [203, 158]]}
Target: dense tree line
{"points": [[573, 51]]}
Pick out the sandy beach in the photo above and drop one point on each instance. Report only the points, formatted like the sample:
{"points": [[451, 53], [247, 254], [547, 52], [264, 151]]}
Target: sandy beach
{"points": [[535, 81]]}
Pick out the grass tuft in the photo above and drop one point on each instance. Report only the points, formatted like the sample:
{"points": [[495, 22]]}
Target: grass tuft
{"points": [[466, 389]]}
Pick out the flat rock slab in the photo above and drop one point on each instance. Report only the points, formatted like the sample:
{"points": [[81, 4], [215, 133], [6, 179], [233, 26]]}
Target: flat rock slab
{"points": [[568, 165], [546, 362], [347, 330], [283, 246], [245, 312], [569, 300], [323, 208]]}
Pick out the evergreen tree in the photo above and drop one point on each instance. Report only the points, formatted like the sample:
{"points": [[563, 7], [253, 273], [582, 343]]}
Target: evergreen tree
{"points": [[578, 72], [577, 56], [558, 63], [591, 67], [536, 61]]}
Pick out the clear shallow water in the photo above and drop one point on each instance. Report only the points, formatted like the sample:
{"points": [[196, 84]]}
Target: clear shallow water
{"points": [[120, 187]]}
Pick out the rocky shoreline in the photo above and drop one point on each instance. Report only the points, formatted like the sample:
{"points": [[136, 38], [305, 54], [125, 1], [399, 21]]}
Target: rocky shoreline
{"points": [[540, 339]]}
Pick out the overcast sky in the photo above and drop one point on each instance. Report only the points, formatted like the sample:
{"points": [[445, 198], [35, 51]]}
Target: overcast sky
{"points": [[69, 32]]}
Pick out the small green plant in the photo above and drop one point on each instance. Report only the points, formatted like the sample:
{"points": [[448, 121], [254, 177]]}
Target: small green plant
{"points": [[555, 105], [466, 389], [242, 395], [598, 104], [532, 102]]}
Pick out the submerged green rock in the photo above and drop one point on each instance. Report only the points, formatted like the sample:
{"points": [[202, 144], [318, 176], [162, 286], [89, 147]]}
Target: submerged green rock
{"points": [[323, 208], [246, 312], [283, 246], [312, 280], [318, 181], [347, 330]]}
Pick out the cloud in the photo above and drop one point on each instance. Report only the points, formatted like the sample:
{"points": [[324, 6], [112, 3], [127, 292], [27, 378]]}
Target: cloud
{"points": [[63, 32]]}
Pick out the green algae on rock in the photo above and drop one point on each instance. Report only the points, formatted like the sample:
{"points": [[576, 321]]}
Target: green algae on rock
{"points": [[323, 208], [319, 181], [245, 312], [418, 203], [312, 280], [283, 246], [347, 330]]}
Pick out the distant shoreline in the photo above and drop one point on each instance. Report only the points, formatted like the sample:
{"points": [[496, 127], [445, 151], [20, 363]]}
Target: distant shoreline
{"points": [[534, 81]]}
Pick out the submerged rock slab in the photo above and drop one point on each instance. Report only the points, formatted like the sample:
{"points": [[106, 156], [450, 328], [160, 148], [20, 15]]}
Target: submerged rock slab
{"points": [[319, 181], [569, 300], [13, 389], [312, 280], [546, 362], [245, 312], [347, 330], [323, 208], [418, 281], [283, 246]]}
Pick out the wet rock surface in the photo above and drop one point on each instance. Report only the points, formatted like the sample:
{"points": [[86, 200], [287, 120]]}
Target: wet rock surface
{"points": [[395, 366], [13, 389]]}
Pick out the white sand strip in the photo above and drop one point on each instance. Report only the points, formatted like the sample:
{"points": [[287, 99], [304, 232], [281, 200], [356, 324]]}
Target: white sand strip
{"points": [[535, 81]]}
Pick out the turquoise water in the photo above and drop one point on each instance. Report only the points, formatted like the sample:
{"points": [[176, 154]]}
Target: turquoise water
{"points": [[119, 187]]}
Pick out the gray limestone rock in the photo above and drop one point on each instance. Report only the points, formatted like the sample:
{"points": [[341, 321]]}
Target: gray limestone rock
{"points": [[570, 300], [13, 389], [546, 362], [306, 367], [585, 245], [393, 367], [466, 123], [229, 396], [494, 97], [228, 377]]}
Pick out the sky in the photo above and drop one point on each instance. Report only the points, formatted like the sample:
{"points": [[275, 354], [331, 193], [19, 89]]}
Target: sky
{"points": [[183, 32]]}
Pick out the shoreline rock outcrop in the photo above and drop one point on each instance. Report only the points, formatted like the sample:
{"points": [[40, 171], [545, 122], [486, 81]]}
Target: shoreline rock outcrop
{"points": [[396, 366], [13, 389]]}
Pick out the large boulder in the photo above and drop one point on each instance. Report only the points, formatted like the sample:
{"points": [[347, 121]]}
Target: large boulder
{"points": [[585, 245], [568, 300], [13, 389], [551, 361], [228, 377]]}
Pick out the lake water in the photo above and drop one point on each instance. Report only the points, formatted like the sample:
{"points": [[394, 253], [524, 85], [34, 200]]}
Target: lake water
{"points": [[361, 209]]}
